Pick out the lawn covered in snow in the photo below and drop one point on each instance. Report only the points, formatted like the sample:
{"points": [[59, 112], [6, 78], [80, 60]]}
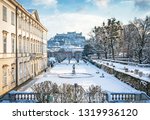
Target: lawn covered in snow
{"points": [[107, 83]]}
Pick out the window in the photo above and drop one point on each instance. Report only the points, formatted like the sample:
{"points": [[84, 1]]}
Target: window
{"points": [[19, 22], [31, 48], [20, 46], [4, 43], [32, 69], [24, 44], [28, 45], [13, 43], [21, 70], [25, 70], [4, 13], [12, 18], [20, 49], [23, 23], [4, 75], [13, 73]]}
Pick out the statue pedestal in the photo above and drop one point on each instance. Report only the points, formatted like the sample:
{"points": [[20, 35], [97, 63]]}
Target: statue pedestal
{"points": [[73, 71]]}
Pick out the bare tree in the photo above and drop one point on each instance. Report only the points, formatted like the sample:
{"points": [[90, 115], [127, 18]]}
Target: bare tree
{"points": [[113, 28], [107, 37], [128, 44], [96, 94], [45, 90], [67, 93], [142, 36], [101, 40]]}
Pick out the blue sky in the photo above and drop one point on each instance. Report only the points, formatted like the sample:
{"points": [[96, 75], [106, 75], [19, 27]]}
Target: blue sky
{"points": [[61, 16]]}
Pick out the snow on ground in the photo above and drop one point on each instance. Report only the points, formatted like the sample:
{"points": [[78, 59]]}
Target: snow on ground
{"points": [[120, 67], [108, 83]]}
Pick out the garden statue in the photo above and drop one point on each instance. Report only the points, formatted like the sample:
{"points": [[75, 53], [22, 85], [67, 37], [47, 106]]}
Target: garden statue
{"points": [[73, 69]]}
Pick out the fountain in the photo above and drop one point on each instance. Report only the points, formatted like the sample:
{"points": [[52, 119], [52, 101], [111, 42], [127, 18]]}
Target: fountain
{"points": [[74, 74]]}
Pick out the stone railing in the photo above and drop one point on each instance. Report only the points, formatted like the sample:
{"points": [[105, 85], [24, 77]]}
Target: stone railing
{"points": [[128, 97], [55, 98], [23, 96], [107, 97]]}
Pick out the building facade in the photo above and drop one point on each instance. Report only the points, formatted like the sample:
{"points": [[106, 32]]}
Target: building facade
{"points": [[23, 43]]}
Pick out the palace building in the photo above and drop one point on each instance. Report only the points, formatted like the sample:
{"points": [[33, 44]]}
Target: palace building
{"points": [[23, 43]]}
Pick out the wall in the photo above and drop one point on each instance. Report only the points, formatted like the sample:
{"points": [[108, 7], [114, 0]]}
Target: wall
{"points": [[130, 80]]}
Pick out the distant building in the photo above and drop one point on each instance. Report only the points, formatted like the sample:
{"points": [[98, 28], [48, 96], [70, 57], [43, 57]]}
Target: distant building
{"points": [[23, 45], [71, 38], [66, 45]]}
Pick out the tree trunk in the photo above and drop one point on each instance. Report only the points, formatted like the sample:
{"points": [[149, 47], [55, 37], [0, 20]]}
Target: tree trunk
{"points": [[105, 54], [112, 50], [140, 56], [98, 55]]}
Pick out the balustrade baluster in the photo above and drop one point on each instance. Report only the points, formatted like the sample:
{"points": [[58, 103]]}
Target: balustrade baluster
{"points": [[27, 96], [112, 96], [16, 96], [116, 97], [133, 97], [119, 97], [124, 97], [130, 97], [35, 94], [20, 96], [31, 97], [127, 97]]}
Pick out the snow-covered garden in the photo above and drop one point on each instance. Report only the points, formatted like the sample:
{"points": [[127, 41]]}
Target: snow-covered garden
{"points": [[76, 82], [98, 77]]}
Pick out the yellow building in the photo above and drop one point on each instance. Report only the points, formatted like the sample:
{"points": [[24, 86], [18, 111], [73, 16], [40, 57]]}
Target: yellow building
{"points": [[23, 43]]}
